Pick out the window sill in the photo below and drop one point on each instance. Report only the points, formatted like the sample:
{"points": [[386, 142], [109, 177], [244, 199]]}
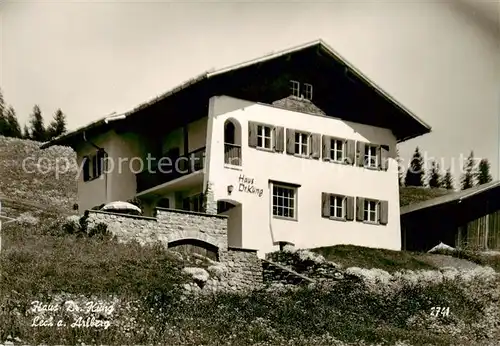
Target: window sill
{"points": [[284, 218], [334, 218], [302, 156], [343, 162], [374, 223], [372, 168], [236, 168], [266, 149]]}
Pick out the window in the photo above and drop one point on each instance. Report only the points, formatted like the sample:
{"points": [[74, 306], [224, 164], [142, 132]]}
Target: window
{"points": [[295, 88], [337, 150], [371, 210], [371, 159], [264, 137], [284, 201], [198, 203], [308, 91], [193, 203], [337, 206], [93, 165], [302, 143], [163, 203]]}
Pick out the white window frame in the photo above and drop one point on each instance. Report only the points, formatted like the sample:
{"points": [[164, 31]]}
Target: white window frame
{"points": [[302, 151], [369, 157], [278, 209], [334, 150], [337, 203], [308, 91], [295, 87], [371, 210], [261, 134]]}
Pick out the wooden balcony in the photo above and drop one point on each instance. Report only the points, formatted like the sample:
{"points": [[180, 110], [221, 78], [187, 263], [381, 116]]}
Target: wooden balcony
{"points": [[170, 168], [232, 154]]}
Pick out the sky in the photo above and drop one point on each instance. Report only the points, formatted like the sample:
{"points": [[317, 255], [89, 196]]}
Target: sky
{"points": [[92, 58]]}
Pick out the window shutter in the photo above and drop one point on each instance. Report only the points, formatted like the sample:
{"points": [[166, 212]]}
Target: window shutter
{"points": [[350, 151], [383, 212], [384, 157], [290, 141], [315, 145], [95, 166], [279, 139], [101, 155], [325, 204], [349, 205], [252, 134], [360, 149], [360, 208], [86, 168], [327, 146]]}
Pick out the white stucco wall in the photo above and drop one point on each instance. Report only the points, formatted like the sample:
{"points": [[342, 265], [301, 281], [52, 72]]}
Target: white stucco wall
{"points": [[197, 131], [125, 152], [93, 193], [259, 228]]}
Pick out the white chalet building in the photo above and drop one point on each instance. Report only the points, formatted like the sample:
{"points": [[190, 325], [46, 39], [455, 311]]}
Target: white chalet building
{"points": [[297, 147]]}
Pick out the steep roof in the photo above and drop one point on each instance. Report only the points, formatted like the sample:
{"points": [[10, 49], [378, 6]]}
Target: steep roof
{"points": [[420, 126]]}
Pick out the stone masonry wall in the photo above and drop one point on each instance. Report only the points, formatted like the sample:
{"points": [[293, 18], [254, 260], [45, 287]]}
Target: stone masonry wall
{"points": [[245, 267], [238, 269], [168, 225]]}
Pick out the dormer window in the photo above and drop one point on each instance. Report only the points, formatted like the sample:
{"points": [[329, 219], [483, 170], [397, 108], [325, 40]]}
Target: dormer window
{"points": [[308, 91], [302, 91], [295, 87]]}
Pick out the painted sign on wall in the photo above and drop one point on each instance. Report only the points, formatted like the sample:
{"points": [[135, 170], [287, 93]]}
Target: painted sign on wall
{"points": [[246, 184]]}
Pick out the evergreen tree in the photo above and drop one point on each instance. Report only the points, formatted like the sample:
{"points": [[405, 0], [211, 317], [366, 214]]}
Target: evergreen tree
{"points": [[2, 104], [434, 176], [400, 169], [416, 172], [37, 127], [469, 174], [14, 130], [483, 175], [26, 132], [58, 125], [4, 126], [447, 182]]}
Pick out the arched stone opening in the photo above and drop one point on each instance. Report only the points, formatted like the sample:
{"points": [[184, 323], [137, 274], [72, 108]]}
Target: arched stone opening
{"points": [[190, 246]]}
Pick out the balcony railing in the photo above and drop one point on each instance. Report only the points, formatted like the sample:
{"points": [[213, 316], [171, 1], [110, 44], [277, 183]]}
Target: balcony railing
{"points": [[169, 168], [232, 154]]}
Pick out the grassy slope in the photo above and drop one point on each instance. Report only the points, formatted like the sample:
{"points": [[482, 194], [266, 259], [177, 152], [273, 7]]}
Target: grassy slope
{"points": [[36, 263], [36, 180], [363, 257], [411, 195]]}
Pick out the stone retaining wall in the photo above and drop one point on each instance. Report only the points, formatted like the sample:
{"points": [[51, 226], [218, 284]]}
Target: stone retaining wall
{"points": [[245, 267], [240, 270], [169, 225]]}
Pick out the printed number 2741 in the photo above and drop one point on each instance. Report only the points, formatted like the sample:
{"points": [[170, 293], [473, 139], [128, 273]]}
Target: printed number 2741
{"points": [[437, 311]]}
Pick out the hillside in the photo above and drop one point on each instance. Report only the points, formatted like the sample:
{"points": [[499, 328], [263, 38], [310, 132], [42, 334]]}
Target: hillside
{"points": [[411, 195], [46, 178], [45, 259]]}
